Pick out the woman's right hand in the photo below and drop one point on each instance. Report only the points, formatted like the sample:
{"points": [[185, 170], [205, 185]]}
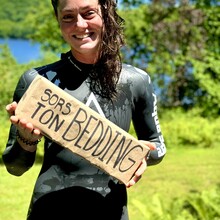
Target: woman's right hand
{"points": [[25, 129]]}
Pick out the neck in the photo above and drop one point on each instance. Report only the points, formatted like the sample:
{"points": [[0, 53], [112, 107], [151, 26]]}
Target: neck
{"points": [[85, 58]]}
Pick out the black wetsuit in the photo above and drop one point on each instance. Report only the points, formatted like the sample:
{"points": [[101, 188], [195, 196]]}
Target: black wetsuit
{"points": [[69, 187]]}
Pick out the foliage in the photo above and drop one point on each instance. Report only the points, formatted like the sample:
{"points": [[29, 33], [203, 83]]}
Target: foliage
{"points": [[182, 128], [19, 19], [13, 22], [177, 45], [196, 205], [177, 42], [207, 70], [10, 72], [204, 205], [48, 33], [183, 175], [188, 128]]}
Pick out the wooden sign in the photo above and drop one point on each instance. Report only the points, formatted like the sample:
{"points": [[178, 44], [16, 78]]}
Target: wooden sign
{"points": [[73, 125]]}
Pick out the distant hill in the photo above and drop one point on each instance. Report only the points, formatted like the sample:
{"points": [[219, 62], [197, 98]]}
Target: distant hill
{"points": [[15, 17]]}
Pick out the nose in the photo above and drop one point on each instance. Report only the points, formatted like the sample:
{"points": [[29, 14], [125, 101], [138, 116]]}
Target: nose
{"points": [[81, 22]]}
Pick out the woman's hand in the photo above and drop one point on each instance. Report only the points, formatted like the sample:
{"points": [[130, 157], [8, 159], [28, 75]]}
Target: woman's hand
{"points": [[25, 129], [142, 167]]}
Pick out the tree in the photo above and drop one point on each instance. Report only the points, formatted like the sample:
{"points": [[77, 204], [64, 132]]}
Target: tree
{"points": [[174, 40], [207, 69], [177, 42], [8, 75], [47, 32], [13, 17]]}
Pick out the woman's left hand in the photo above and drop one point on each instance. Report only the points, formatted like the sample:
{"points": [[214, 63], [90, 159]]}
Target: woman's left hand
{"points": [[142, 167]]}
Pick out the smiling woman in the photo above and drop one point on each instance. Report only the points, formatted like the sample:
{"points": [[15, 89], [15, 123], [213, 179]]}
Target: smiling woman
{"points": [[81, 25], [92, 72], [23, 50]]}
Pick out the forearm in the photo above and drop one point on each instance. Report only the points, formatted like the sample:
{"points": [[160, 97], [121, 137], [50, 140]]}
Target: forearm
{"points": [[19, 155], [15, 157], [17, 160]]}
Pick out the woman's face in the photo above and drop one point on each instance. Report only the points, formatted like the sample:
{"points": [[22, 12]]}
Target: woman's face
{"points": [[81, 26]]}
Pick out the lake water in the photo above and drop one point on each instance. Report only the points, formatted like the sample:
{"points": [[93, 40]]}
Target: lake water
{"points": [[23, 50]]}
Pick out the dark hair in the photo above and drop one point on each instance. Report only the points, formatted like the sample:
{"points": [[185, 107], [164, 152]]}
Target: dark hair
{"points": [[106, 72], [55, 5]]}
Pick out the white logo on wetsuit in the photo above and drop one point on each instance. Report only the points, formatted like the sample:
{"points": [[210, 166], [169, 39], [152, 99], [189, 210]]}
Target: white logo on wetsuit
{"points": [[162, 149], [92, 99]]}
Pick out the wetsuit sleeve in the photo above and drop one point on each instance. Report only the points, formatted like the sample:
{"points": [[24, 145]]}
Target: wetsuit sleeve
{"points": [[16, 159], [145, 118]]}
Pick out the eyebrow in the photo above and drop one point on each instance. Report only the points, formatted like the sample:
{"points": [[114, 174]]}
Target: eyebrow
{"points": [[73, 9]]}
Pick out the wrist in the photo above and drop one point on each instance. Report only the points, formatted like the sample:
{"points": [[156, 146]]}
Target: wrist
{"points": [[25, 143]]}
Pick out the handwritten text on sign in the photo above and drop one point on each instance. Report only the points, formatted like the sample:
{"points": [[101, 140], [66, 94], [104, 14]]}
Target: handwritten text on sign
{"points": [[72, 124]]}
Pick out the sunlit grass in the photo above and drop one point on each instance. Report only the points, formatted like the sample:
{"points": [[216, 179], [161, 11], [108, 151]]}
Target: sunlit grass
{"points": [[15, 194], [181, 171]]}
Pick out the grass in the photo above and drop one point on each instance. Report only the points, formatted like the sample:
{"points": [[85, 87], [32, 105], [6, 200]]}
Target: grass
{"points": [[181, 171]]}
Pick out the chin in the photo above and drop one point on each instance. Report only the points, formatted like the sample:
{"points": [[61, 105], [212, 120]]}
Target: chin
{"points": [[88, 47]]}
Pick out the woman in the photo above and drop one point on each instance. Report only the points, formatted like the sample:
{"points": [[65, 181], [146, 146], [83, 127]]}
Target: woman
{"points": [[69, 187]]}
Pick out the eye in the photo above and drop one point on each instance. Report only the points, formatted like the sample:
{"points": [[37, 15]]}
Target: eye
{"points": [[89, 14], [68, 18]]}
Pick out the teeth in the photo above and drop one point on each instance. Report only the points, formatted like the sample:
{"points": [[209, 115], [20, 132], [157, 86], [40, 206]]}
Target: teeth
{"points": [[82, 36]]}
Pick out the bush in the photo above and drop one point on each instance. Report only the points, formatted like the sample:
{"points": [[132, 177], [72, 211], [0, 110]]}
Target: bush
{"points": [[10, 72], [196, 205], [203, 205], [189, 129]]}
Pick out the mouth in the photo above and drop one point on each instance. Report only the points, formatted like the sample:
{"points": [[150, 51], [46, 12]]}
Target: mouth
{"points": [[82, 36]]}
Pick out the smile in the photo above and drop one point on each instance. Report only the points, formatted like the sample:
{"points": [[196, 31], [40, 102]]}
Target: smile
{"points": [[82, 36]]}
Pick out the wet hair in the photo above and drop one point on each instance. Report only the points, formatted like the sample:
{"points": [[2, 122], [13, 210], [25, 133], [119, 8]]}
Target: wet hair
{"points": [[106, 72]]}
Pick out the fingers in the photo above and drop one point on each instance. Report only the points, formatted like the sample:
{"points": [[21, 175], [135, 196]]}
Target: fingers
{"points": [[25, 128], [10, 108], [149, 144], [14, 119], [24, 125], [36, 132], [143, 166], [138, 174], [132, 182]]}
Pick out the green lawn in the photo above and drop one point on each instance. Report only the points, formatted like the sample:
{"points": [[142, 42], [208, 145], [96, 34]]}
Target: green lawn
{"points": [[181, 172]]}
